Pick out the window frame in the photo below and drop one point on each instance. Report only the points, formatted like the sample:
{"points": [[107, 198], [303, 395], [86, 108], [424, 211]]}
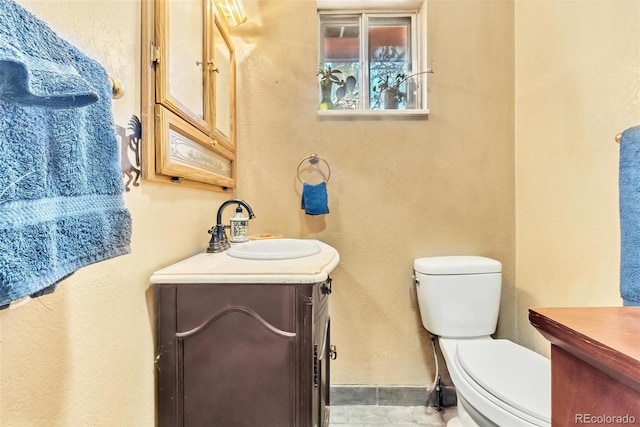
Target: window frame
{"points": [[418, 60]]}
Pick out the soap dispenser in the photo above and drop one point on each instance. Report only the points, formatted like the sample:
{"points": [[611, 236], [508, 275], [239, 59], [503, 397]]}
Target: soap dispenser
{"points": [[239, 227]]}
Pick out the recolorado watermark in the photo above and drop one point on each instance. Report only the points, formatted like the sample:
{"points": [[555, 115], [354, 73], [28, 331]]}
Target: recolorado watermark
{"points": [[604, 419]]}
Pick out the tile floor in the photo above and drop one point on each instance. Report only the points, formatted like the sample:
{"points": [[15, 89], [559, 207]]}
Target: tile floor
{"points": [[380, 416]]}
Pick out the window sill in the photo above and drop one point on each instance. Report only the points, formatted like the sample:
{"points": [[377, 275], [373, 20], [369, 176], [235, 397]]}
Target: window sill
{"points": [[374, 113]]}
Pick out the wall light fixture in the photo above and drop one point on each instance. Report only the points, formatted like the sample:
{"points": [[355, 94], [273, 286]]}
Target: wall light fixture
{"points": [[232, 10]]}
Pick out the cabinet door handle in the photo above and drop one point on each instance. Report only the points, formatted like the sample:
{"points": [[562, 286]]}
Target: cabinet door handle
{"points": [[315, 365], [326, 289], [333, 353]]}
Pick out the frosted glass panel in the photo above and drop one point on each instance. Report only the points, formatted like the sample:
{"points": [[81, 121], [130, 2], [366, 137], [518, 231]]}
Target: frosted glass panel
{"points": [[185, 152], [223, 84], [186, 20]]}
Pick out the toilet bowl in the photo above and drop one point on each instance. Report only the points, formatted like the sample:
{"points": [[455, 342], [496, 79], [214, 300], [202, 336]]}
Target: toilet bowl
{"points": [[498, 382]]}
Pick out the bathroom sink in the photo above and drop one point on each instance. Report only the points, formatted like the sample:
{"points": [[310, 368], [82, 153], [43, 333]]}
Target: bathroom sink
{"points": [[272, 249]]}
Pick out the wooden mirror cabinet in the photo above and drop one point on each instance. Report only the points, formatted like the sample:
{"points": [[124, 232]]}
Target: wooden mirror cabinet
{"points": [[188, 95]]}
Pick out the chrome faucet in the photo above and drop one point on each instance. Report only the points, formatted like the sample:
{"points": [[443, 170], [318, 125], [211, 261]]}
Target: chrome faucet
{"points": [[219, 241]]}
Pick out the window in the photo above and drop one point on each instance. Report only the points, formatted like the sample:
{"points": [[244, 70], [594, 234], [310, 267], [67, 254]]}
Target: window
{"points": [[370, 62]]}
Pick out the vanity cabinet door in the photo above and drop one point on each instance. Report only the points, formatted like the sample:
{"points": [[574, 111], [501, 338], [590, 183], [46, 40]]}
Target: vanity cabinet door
{"points": [[322, 356], [238, 355]]}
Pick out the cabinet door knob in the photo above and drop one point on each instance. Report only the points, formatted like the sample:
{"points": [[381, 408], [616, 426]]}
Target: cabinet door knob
{"points": [[212, 66]]}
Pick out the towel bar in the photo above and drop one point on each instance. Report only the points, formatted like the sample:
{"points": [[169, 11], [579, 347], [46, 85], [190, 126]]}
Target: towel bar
{"points": [[117, 88], [618, 138]]}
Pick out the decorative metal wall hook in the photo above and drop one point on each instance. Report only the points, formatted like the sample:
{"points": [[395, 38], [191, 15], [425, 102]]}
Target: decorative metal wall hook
{"points": [[130, 142]]}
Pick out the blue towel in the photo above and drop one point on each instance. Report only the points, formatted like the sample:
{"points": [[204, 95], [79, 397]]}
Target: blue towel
{"points": [[61, 204], [314, 199], [629, 182], [37, 68]]}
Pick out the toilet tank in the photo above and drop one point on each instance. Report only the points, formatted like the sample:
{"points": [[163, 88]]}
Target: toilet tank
{"points": [[459, 296]]}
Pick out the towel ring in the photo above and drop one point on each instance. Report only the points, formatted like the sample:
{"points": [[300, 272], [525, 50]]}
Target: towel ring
{"points": [[313, 159]]}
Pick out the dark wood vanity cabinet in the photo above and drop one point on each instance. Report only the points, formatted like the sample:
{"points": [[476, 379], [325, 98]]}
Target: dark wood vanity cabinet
{"points": [[243, 355]]}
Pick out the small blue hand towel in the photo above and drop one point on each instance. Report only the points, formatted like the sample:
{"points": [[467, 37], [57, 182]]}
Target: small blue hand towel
{"points": [[61, 204], [314, 199], [37, 68], [629, 182]]}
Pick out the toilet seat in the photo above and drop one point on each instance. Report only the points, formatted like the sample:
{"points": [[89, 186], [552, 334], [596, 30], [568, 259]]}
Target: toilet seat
{"points": [[506, 373]]}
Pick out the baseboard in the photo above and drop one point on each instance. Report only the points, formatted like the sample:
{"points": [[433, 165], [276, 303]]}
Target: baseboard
{"points": [[379, 395]]}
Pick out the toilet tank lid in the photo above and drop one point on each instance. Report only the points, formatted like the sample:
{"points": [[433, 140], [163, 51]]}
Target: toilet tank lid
{"points": [[458, 264]]}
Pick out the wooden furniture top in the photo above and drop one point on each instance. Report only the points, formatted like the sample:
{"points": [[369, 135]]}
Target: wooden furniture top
{"points": [[607, 338]]}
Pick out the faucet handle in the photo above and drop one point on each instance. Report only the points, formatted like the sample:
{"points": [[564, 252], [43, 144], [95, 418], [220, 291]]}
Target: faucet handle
{"points": [[218, 242]]}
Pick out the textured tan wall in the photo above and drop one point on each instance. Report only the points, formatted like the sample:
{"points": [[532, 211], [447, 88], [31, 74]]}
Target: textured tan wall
{"points": [[399, 189], [84, 356], [577, 86]]}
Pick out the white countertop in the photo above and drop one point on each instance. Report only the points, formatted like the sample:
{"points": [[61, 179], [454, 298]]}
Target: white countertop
{"points": [[222, 268]]}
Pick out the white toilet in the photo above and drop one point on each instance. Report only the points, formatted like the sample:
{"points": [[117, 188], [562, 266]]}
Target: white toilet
{"points": [[498, 383]]}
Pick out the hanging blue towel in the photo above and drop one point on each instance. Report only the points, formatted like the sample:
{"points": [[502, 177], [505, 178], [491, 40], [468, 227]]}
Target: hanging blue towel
{"points": [[61, 204], [314, 199], [37, 68], [629, 183]]}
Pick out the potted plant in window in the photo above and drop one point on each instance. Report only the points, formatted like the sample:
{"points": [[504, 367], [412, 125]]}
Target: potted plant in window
{"points": [[327, 78], [390, 89]]}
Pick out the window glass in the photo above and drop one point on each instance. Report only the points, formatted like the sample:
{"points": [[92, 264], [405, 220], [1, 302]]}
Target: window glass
{"points": [[389, 61], [340, 65], [368, 61]]}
